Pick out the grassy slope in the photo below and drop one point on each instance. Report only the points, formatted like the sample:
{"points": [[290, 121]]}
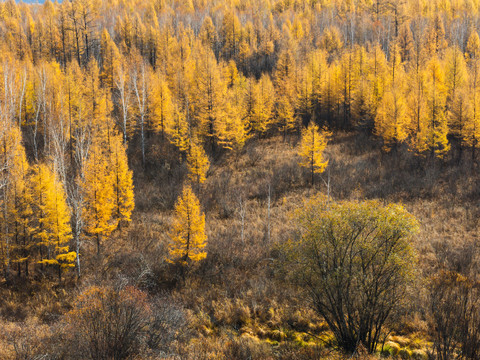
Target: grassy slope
{"points": [[237, 274], [234, 300]]}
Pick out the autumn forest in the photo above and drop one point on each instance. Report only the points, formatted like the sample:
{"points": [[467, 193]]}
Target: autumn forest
{"points": [[240, 179]]}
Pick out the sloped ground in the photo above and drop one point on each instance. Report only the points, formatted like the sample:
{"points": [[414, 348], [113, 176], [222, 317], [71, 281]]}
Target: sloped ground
{"points": [[236, 304]]}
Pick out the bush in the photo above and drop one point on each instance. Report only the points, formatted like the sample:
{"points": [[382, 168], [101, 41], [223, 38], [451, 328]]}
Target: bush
{"points": [[354, 260], [106, 323]]}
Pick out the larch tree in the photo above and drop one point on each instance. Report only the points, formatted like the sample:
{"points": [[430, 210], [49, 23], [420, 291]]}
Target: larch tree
{"points": [[230, 34], [110, 60], [392, 122], [188, 238], [471, 129], [161, 106], [20, 208], [318, 67], [349, 74], [52, 231], [197, 163], [231, 131], [456, 81], [15, 202], [312, 146], [179, 130], [434, 130], [259, 104], [98, 192], [210, 98], [436, 43], [285, 91], [122, 178]]}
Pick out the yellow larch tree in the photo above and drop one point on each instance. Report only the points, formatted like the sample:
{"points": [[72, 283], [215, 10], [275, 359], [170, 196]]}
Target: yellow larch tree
{"points": [[110, 60], [331, 41], [98, 192], [178, 129], [161, 106], [351, 64], [197, 163], [230, 33], [312, 146], [15, 203], [304, 103], [433, 132], [392, 122], [318, 68], [371, 81], [436, 42], [456, 81], [208, 33], [50, 209], [188, 231], [259, 104], [20, 208], [210, 98], [471, 128], [231, 131], [122, 181], [285, 88]]}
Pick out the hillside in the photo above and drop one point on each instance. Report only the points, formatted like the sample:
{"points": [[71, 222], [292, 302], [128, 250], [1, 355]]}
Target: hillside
{"points": [[241, 179], [234, 305]]}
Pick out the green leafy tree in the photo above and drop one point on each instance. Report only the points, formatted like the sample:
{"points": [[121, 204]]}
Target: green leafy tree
{"points": [[354, 260]]}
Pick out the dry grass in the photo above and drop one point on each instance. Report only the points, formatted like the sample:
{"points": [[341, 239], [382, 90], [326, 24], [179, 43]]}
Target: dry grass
{"points": [[237, 306]]}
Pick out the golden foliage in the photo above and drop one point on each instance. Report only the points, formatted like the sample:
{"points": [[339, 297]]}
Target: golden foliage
{"points": [[311, 150], [188, 229]]}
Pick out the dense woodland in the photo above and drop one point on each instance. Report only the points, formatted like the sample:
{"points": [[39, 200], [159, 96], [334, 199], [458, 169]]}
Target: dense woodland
{"points": [[219, 179]]}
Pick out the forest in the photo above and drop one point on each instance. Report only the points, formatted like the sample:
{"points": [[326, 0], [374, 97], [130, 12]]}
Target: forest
{"points": [[240, 179]]}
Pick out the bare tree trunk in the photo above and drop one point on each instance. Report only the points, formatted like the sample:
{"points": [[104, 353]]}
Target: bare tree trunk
{"points": [[123, 89], [141, 96]]}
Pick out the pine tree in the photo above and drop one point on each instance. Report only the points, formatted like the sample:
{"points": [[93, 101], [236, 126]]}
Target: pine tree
{"points": [[311, 150], [188, 230]]}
